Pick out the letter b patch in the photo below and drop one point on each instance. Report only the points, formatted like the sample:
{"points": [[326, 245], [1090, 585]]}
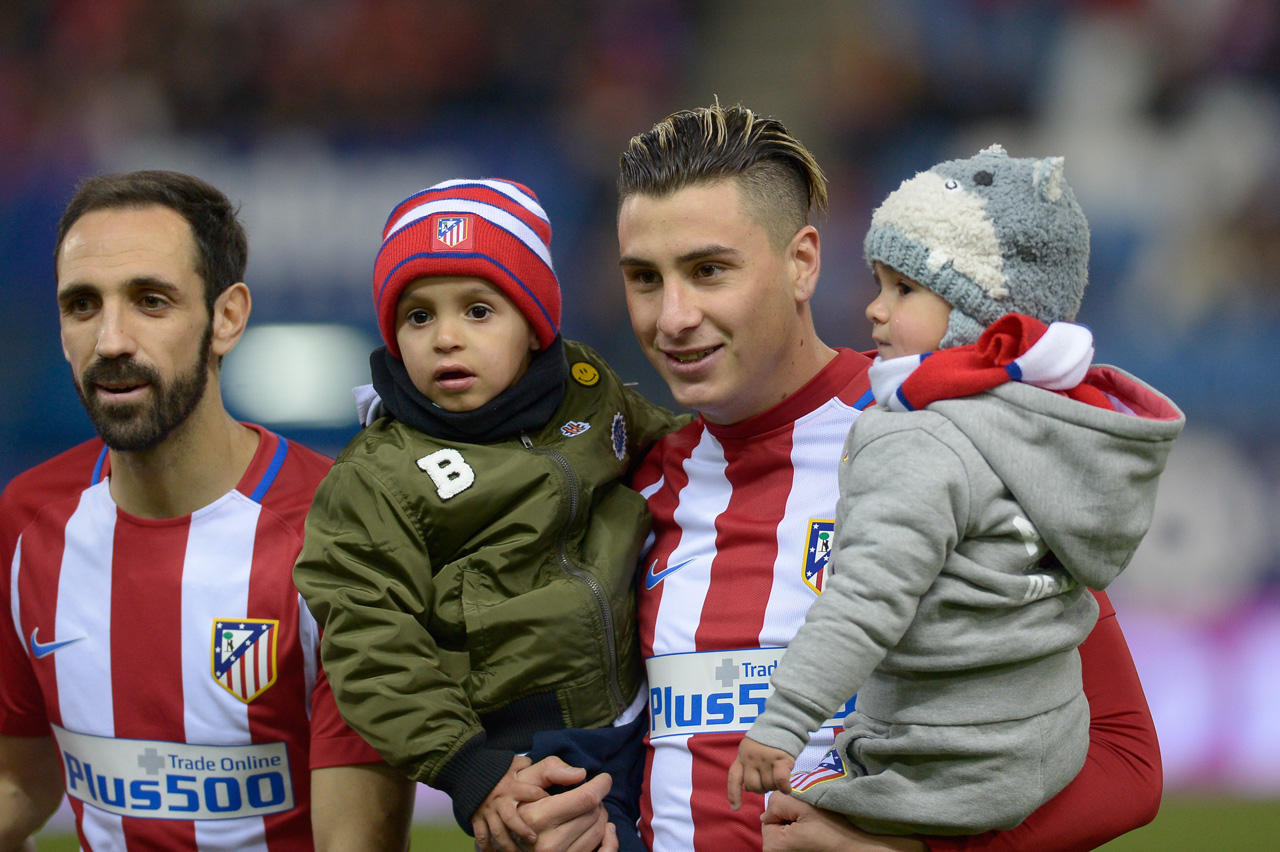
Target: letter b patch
{"points": [[449, 471]]}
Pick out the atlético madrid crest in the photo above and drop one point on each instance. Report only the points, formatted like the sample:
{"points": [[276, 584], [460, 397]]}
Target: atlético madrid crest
{"points": [[817, 552], [244, 655], [830, 768], [452, 232]]}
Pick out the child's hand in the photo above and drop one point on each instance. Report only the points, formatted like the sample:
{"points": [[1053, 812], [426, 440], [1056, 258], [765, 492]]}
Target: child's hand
{"points": [[759, 768], [496, 823]]}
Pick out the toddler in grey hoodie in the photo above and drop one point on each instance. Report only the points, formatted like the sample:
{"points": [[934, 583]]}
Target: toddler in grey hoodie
{"points": [[998, 478]]}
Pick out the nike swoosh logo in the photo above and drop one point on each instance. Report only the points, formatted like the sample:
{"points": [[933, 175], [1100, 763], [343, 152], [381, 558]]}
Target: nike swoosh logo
{"points": [[651, 579], [40, 650]]}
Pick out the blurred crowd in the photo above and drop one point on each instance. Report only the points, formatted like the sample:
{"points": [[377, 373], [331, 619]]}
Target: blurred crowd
{"points": [[318, 115]]}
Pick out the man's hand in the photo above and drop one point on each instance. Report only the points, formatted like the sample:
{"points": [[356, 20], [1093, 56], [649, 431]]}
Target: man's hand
{"points": [[573, 821], [790, 825], [497, 823], [759, 768]]}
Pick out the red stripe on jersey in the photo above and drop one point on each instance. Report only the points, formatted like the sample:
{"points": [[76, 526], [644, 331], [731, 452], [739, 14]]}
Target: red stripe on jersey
{"points": [[667, 465], [746, 534], [646, 802], [39, 597], [715, 826], [273, 551], [147, 699]]}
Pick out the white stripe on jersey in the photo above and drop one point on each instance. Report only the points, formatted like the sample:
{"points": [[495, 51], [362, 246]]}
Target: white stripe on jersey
{"points": [[104, 831], [85, 695], [219, 555], [309, 632], [817, 440], [680, 609], [673, 763], [13, 592]]}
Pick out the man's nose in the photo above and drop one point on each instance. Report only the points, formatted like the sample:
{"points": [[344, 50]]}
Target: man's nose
{"points": [[680, 310], [115, 338]]}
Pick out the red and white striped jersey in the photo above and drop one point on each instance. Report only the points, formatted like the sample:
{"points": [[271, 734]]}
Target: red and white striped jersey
{"points": [[173, 660], [742, 519]]}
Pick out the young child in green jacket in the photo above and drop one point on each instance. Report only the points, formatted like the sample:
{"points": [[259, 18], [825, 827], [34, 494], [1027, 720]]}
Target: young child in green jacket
{"points": [[470, 556]]}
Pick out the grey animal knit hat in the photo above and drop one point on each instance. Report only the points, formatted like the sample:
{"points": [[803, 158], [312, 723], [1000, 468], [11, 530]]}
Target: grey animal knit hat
{"points": [[992, 235]]}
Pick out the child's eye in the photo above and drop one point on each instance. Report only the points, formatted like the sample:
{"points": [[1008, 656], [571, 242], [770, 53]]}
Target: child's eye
{"points": [[479, 311], [904, 289], [418, 316]]}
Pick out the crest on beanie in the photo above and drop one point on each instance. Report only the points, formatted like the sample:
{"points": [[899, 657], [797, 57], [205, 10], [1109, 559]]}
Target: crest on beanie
{"points": [[452, 233]]}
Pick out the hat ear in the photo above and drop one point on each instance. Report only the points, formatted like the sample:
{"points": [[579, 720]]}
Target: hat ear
{"points": [[1047, 178]]}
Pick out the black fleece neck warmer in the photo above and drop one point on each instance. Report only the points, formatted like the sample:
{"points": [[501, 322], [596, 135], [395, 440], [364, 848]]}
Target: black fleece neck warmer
{"points": [[526, 406]]}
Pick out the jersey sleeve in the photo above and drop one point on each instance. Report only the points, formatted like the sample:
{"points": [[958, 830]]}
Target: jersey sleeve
{"points": [[333, 742], [1120, 785], [22, 710]]}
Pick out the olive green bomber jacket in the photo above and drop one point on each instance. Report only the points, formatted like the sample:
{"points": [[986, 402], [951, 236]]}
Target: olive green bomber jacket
{"points": [[472, 594]]}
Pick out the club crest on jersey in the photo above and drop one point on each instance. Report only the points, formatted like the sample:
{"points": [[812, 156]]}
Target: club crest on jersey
{"points": [[829, 769], [817, 552], [244, 655], [574, 427], [618, 436], [452, 233]]}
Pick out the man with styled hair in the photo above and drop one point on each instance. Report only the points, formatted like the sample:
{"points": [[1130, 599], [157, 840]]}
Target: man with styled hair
{"points": [[159, 667], [719, 264]]}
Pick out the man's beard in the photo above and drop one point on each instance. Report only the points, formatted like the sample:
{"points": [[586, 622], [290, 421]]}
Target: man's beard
{"points": [[142, 426]]}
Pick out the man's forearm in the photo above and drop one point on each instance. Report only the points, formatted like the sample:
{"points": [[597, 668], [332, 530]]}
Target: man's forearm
{"points": [[30, 787]]}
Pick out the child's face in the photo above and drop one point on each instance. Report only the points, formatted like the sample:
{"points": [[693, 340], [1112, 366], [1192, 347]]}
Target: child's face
{"points": [[462, 340], [906, 317]]}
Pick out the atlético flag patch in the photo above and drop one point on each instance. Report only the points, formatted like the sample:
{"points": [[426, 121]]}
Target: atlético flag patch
{"points": [[830, 768], [817, 552], [453, 232], [244, 655]]}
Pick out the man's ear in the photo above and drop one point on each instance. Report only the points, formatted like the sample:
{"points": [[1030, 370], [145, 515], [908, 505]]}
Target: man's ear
{"points": [[804, 254], [230, 315]]}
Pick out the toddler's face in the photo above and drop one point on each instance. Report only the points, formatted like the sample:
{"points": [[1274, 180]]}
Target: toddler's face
{"points": [[462, 340], [906, 317]]}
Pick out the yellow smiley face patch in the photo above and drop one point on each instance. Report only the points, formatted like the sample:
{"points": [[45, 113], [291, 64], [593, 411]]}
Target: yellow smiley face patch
{"points": [[584, 374]]}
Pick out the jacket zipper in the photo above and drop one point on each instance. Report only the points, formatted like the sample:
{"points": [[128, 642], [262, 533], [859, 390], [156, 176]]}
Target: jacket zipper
{"points": [[562, 554]]}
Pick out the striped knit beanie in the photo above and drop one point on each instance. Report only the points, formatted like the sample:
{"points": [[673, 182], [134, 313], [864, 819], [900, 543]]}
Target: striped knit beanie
{"points": [[491, 229], [992, 235]]}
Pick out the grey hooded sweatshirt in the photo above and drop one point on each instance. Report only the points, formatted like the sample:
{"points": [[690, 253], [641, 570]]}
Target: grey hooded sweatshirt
{"points": [[967, 536]]}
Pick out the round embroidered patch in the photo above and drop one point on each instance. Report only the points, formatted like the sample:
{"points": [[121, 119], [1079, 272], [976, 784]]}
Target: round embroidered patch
{"points": [[584, 374]]}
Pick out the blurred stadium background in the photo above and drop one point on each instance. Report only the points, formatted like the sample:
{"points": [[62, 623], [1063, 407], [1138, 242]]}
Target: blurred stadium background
{"points": [[318, 115]]}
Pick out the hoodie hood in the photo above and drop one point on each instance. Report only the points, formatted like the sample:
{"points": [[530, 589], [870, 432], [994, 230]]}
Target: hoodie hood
{"points": [[1080, 447], [1085, 475]]}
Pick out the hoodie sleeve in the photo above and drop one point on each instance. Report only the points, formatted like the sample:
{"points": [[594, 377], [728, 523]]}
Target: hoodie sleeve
{"points": [[904, 500]]}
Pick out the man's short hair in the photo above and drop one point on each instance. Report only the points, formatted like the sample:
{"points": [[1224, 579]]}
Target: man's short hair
{"points": [[222, 248], [778, 177]]}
